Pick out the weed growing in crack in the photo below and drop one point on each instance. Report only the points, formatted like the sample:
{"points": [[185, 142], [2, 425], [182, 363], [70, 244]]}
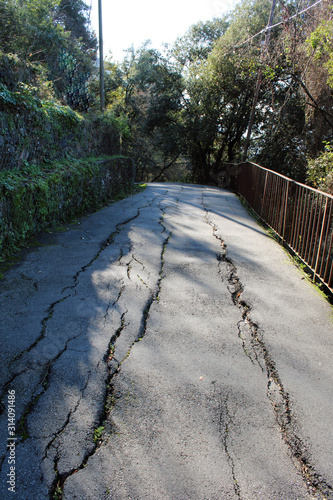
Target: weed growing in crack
{"points": [[105, 426], [56, 490], [98, 433], [45, 380], [58, 482], [110, 353], [57, 495], [110, 402], [142, 281]]}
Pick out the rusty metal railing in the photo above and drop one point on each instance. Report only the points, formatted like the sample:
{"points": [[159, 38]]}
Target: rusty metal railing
{"points": [[300, 215]]}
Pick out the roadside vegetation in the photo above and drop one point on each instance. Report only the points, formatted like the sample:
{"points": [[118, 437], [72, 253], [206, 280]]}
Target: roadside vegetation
{"points": [[184, 113], [181, 114]]}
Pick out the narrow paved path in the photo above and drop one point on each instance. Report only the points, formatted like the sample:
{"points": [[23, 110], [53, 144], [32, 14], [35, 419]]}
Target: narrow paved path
{"points": [[165, 348]]}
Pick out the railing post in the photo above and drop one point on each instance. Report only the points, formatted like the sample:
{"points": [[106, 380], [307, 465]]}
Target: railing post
{"points": [[264, 195], [320, 239], [285, 212]]}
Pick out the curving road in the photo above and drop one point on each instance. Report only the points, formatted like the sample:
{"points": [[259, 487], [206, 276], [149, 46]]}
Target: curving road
{"points": [[165, 348]]}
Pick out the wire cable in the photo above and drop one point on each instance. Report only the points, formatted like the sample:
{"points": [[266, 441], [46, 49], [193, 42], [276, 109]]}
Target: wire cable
{"points": [[277, 24]]}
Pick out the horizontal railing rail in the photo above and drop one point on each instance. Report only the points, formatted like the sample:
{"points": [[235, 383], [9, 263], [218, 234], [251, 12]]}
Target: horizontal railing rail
{"points": [[300, 215]]}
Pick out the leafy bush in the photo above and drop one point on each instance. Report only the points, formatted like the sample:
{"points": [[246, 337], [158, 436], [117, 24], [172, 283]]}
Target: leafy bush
{"points": [[320, 170], [37, 130], [320, 43]]}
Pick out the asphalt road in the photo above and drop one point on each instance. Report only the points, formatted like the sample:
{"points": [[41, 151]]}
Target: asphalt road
{"points": [[165, 347]]}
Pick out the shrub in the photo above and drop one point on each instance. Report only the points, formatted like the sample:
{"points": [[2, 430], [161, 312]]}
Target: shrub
{"points": [[320, 170]]}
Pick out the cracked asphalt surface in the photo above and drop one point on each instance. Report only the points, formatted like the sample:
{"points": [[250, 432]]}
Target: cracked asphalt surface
{"points": [[166, 347]]}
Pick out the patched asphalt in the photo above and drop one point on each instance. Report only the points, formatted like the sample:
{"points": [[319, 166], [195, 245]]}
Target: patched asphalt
{"points": [[165, 347]]}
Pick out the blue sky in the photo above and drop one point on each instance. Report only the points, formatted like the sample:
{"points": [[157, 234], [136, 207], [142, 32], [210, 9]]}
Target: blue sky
{"points": [[131, 22]]}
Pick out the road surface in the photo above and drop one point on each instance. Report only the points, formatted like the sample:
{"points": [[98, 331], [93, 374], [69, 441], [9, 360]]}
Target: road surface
{"points": [[165, 347]]}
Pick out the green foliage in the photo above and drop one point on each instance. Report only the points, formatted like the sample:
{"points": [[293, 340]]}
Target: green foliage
{"points": [[98, 434], [54, 35], [199, 41], [320, 43], [320, 170], [35, 129], [184, 112], [57, 494], [217, 108], [34, 198], [7, 98], [247, 18], [148, 102]]}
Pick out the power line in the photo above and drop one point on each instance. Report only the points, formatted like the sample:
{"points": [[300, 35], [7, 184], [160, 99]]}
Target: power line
{"points": [[297, 14], [277, 24], [267, 30], [256, 94]]}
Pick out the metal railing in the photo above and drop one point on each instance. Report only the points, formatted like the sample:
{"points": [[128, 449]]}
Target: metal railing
{"points": [[300, 215]]}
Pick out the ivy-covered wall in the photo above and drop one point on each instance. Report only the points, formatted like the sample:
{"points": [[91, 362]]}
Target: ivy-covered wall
{"points": [[35, 130], [55, 163], [35, 198]]}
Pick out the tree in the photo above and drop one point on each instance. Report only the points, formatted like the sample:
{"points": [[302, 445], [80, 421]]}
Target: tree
{"points": [[295, 102], [153, 94], [198, 42], [55, 34], [217, 109], [220, 79], [73, 14]]}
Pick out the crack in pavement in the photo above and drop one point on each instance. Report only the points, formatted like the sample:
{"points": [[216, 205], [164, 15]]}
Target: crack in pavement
{"points": [[70, 413], [247, 329], [225, 420], [129, 267], [103, 246], [41, 387], [114, 368], [112, 362], [137, 275], [112, 304], [18, 373], [50, 310], [258, 353], [55, 488], [38, 391]]}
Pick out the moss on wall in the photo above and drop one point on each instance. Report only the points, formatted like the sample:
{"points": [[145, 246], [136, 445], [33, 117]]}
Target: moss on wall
{"points": [[36, 130], [35, 198]]}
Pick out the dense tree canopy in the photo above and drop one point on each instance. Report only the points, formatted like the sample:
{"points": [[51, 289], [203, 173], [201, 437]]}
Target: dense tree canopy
{"points": [[184, 113], [216, 66], [53, 35]]}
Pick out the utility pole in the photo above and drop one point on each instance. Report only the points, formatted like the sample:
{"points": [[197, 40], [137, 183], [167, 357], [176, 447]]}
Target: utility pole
{"points": [[101, 58], [256, 94]]}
